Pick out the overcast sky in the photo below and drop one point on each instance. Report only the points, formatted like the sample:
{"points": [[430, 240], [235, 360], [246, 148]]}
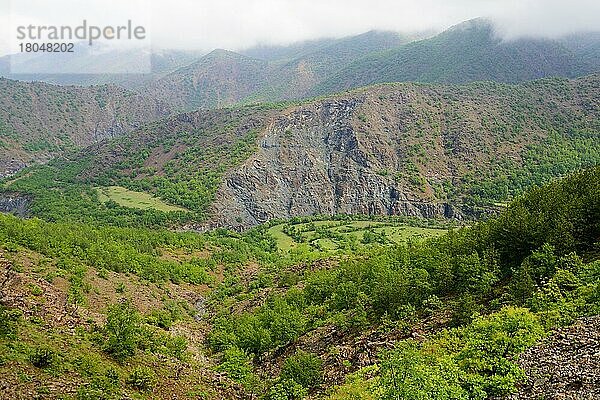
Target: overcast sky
{"points": [[237, 24]]}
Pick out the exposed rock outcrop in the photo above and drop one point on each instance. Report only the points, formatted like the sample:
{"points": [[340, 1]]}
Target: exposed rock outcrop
{"points": [[14, 203], [317, 160], [39, 121], [564, 366], [10, 167]]}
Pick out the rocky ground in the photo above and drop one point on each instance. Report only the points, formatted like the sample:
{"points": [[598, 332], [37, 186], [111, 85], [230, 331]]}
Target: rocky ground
{"points": [[564, 366]]}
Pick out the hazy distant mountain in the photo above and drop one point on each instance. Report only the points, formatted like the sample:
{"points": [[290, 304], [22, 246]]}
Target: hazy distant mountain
{"points": [[295, 79], [286, 52], [99, 66], [266, 73], [218, 79], [468, 52], [586, 46]]}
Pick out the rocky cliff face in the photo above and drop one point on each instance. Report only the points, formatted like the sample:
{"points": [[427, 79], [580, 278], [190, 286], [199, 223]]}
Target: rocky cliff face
{"points": [[39, 121], [317, 160], [14, 203], [10, 167], [397, 149]]}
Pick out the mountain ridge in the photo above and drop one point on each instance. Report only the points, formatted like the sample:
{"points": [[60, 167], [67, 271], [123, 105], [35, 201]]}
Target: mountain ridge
{"points": [[39, 120], [424, 150], [469, 51]]}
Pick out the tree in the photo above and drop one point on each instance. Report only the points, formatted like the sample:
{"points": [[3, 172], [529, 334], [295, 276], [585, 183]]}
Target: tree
{"points": [[122, 329], [303, 368], [409, 374]]}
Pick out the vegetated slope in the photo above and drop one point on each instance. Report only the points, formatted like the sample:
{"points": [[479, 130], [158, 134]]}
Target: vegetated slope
{"points": [[218, 79], [224, 78], [540, 254], [39, 121], [105, 312], [286, 52], [471, 51], [74, 323], [296, 78], [586, 46], [407, 149], [181, 159], [401, 149]]}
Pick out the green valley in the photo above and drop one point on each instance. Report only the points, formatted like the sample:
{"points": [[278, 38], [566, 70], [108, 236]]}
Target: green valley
{"points": [[149, 304], [298, 201], [345, 232]]}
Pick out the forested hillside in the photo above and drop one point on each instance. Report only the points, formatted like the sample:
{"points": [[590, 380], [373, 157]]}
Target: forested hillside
{"points": [[39, 121], [471, 51], [223, 78], [403, 149], [134, 312]]}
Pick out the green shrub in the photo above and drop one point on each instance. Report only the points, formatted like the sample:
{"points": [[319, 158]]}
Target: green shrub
{"points": [[141, 378], [42, 357], [236, 364], [276, 323], [286, 390], [303, 368], [176, 346], [160, 318], [122, 329], [491, 343], [465, 310], [471, 362], [101, 388], [8, 322], [410, 374]]}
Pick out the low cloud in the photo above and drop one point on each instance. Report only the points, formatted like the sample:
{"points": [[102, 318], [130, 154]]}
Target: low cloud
{"points": [[546, 18], [237, 24]]}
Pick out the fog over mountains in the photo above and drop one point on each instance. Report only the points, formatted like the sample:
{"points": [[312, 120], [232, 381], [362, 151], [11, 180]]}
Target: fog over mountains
{"points": [[470, 51]]}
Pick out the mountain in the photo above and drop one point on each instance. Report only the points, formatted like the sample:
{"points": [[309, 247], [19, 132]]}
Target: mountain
{"points": [[407, 149], [471, 51], [96, 65], [295, 79], [224, 78], [218, 79], [421, 150], [39, 121], [191, 80], [286, 52], [586, 46]]}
